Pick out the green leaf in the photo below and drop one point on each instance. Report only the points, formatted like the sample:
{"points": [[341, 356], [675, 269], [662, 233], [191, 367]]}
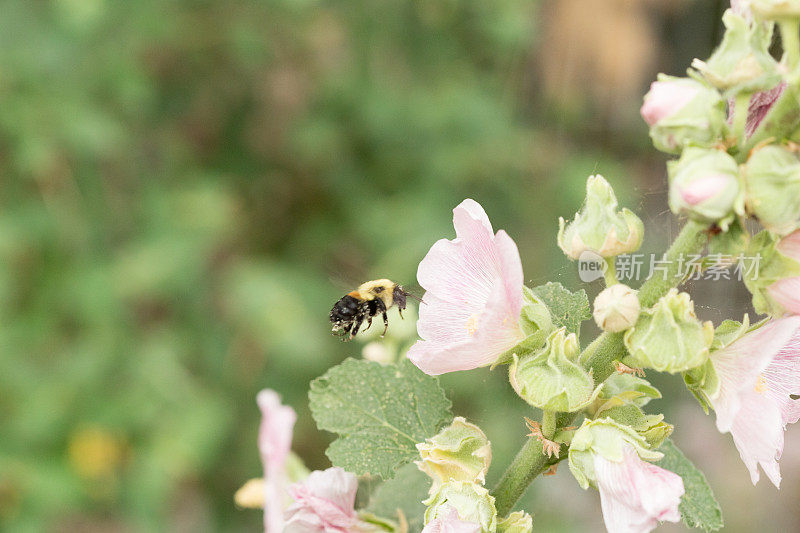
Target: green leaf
{"points": [[380, 413], [404, 493], [698, 506], [567, 308]]}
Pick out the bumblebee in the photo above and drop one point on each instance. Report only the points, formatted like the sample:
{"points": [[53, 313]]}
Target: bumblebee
{"points": [[364, 303]]}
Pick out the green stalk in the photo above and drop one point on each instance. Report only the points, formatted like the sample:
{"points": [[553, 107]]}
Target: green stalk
{"points": [[526, 466], [790, 38], [549, 423], [610, 272], [608, 347]]}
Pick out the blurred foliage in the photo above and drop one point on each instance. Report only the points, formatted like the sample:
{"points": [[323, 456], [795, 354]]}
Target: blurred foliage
{"points": [[181, 181]]}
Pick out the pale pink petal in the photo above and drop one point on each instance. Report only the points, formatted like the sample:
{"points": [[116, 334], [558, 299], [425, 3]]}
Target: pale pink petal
{"points": [[782, 380], [786, 293], [452, 523], [757, 432], [790, 245], [324, 502], [274, 444], [473, 296], [665, 98], [636, 495], [704, 188], [758, 375], [739, 365]]}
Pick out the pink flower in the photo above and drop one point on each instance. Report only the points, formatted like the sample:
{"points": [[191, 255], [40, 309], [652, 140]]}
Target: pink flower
{"points": [[665, 99], [705, 188], [473, 297], [636, 495], [452, 523], [324, 503], [274, 444], [758, 373], [786, 292]]}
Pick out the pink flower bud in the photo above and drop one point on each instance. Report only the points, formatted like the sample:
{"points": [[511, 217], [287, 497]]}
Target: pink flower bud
{"points": [[705, 188], [666, 98]]}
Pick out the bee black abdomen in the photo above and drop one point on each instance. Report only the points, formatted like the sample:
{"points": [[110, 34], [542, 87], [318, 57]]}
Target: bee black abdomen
{"points": [[345, 309]]}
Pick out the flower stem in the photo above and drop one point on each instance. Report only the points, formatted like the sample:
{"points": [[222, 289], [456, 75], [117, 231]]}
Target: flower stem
{"points": [[610, 272], [549, 423], [790, 38], [608, 347], [529, 463]]}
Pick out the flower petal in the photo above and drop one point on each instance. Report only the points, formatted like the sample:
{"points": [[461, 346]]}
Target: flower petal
{"points": [[786, 292], [473, 296], [739, 365], [274, 444], [635, 495]]}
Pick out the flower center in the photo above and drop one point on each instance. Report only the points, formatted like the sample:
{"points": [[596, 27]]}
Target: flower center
{"points": [[472, 324], [761, 384]]}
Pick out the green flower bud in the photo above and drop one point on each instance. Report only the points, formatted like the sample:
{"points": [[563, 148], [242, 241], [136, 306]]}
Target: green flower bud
{"points": [[683, 112], [616, 308], [705, 185], [741, 63], [550, 378], [772, 185], [459, 452], [516, 522], [472, 502], [608, 438], [774, 265], [669, 337], [775, 9], [598, 227]]}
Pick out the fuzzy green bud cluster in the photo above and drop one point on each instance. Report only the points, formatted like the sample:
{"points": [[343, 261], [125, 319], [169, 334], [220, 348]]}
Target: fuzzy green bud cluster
{"points": [[459, 452], [741, 63], [551, 378], [669, 337], [704, 184], [772, 184], [599, 227]]}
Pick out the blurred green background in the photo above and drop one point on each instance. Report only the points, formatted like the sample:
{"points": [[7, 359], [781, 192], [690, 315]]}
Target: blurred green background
{"points": [[188, 186]]}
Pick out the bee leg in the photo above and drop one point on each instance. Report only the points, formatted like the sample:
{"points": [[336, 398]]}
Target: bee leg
{"points": [[385, 324], [369, 323], [356, 325], [400, 311]]}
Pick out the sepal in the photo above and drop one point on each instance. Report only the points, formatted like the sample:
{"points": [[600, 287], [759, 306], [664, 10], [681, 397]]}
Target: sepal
{"points": [[472, 502], [669, 337], [741, 63], [598, 227], [550, 378], [459, 452]]}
